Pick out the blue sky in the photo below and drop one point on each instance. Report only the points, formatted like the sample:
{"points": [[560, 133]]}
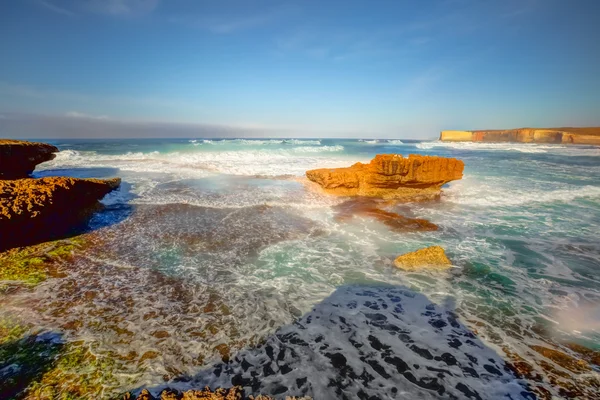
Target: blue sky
{"points": [[298, 68]]}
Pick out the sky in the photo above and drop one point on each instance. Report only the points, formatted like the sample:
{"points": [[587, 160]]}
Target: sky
{"points": [[305, 68]]}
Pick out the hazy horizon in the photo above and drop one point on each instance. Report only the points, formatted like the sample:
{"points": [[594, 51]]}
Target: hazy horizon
{"points": [[381, 69]]}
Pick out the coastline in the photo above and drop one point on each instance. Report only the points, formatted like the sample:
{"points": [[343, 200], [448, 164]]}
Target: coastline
{"points": [[577, 136], [198, 278]]}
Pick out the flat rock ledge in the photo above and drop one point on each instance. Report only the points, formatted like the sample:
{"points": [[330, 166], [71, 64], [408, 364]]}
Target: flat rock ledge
{"points": [[19, 158], [234, 393], [36, 210], [391, 176]]}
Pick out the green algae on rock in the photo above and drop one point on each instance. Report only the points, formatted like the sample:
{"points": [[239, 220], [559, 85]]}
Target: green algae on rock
{"points": [[33, 264]]}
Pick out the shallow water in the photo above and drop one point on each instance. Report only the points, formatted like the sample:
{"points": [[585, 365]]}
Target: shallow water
{"points": [[211, 246]]}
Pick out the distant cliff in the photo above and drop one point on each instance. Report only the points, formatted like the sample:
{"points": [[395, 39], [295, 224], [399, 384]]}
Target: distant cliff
{"points": [[527, 135]]}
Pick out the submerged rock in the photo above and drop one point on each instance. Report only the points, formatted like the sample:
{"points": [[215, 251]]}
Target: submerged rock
{"points": [[433, 257], [234, 393], [391, 176], [35, 210], [369, 208], [18, 158]]}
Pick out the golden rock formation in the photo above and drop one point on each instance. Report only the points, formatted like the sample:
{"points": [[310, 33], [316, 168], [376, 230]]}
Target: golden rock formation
{"points": [[34, 210], [433, 257], [391, 176], [589, 136], [18, 158]]}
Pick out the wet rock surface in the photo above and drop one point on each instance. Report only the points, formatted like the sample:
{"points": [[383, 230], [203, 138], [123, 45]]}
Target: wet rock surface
{"points": [[234, 393], [433, 257], [367, 207], [18, 158], [371, 342], [411, 178], [34, 210]]}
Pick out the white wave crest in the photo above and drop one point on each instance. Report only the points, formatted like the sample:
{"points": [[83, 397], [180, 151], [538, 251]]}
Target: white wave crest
{"points": [[302, 142], [395, 141], [484, 195], [369, 141], [521, 147], [193, 164]]}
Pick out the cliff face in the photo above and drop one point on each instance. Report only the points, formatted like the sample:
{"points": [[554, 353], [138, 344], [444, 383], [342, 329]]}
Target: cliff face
{"points": [[391, 176], [19, 158], [527, 135], [35, 210]]}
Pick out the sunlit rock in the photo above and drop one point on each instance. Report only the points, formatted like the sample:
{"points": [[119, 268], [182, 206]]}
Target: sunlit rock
{"points": [[34, 210], [391, 176], [433, 257]]}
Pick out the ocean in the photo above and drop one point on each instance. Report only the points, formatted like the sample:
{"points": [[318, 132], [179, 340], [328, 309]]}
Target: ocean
{"points": [[214, 264]]}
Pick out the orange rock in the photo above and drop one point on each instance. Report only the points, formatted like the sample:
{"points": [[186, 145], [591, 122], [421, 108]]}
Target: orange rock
{"points": [[368, 207], [18, 158], [35, 210], [562, 359], [589, 135], [433, 257], [391, 176]]}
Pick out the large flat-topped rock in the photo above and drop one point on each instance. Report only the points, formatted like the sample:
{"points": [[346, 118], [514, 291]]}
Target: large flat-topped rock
{"points": [[392, 176], [18, 158]]}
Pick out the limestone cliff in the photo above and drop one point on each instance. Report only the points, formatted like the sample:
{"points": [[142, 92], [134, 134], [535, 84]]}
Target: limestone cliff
{"points": [[590, 136], [19, 158], [35, 210], [391, 176]]}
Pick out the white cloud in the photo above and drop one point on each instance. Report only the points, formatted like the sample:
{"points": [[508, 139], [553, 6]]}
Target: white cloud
{"points": [[75, 114], [53, 7], [227, 24], [72, 8], [122, 7]]}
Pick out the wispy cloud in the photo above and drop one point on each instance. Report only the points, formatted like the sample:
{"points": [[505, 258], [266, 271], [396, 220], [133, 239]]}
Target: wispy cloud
{"points": [[72, 8], [76, 114], [74, 100], [122, 7], [228, 24], [53, 7]]}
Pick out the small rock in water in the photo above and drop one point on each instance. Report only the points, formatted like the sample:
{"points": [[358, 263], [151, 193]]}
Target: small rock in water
{"points": [[433, 257]]}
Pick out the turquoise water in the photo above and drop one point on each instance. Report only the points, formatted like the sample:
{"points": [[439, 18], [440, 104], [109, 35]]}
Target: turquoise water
{"points": [[231, 223]]}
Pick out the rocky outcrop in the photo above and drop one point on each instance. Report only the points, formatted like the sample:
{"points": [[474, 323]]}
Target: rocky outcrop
{"points": [[234, 393], [368, 207], [433, 257], [391, 176], [590, 136], [35, 210], [19, 158]]}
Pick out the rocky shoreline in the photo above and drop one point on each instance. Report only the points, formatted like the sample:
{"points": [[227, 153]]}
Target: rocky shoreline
{"points": [[36, 210], [581, 136], [392, 351]]}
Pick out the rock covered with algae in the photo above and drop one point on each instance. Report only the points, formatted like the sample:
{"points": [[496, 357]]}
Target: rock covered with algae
{"points": [[35, 210]]}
